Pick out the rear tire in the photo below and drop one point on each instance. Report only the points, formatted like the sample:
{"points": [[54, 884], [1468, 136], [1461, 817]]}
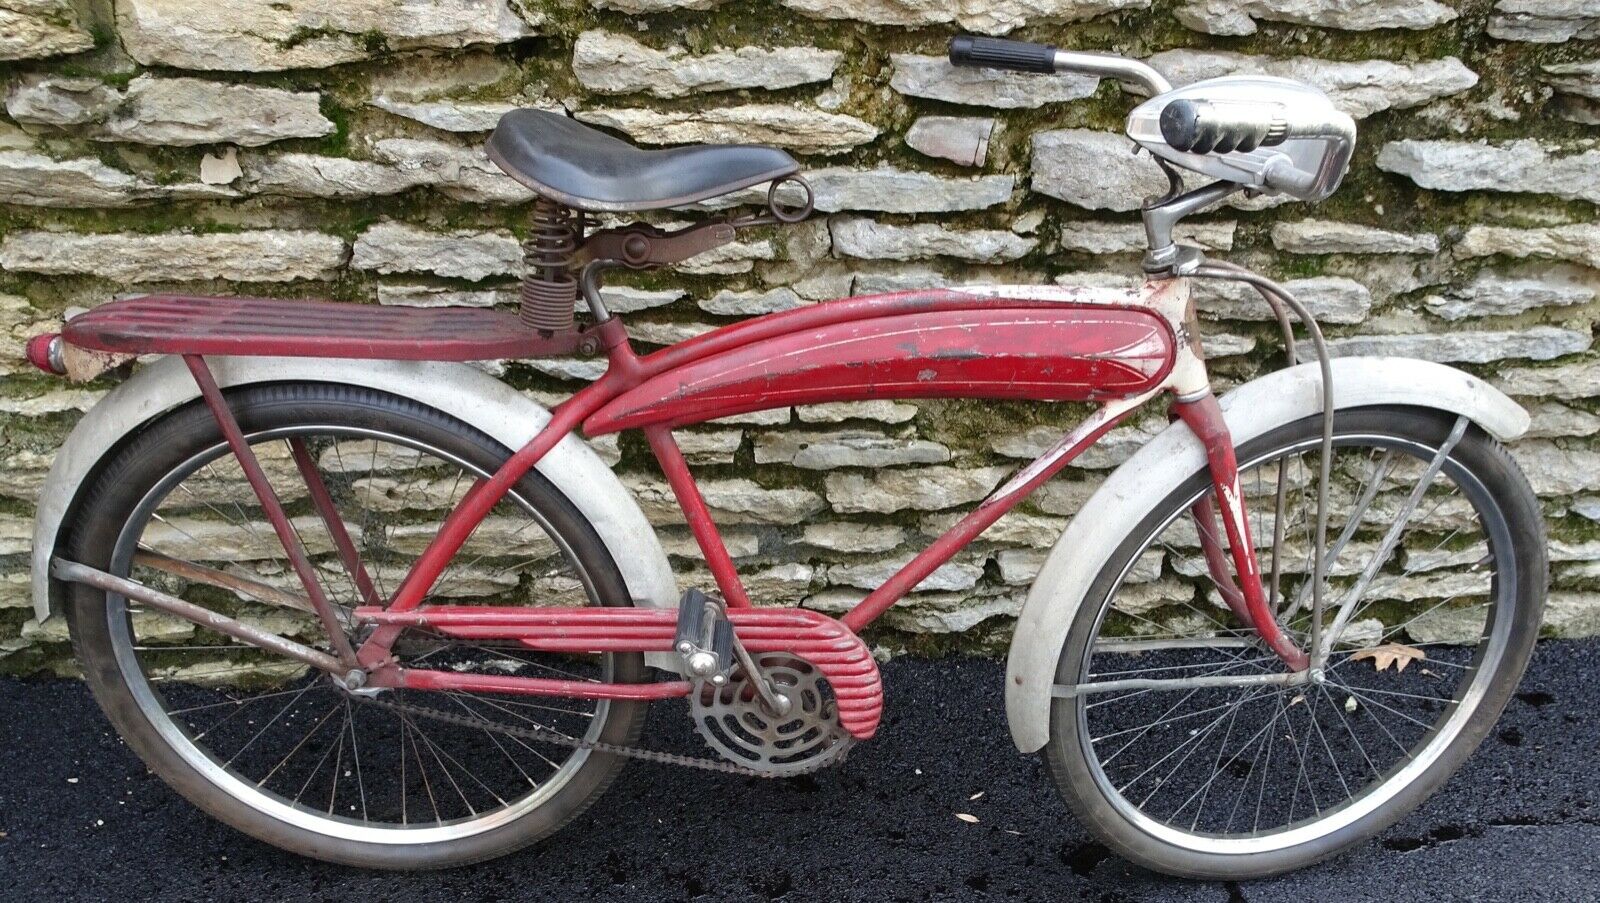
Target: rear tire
{"points": [[1123, 811], [123, 673]]}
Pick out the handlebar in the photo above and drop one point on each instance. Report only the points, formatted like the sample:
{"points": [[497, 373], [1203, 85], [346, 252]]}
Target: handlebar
{"points": [[998, 53], [1021, 56]]}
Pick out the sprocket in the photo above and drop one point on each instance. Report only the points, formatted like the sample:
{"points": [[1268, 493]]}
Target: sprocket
{"points": [[735, 721]]}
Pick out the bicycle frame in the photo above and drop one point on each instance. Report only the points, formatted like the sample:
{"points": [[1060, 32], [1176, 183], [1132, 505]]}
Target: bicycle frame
{"points": [[1120, 348], [990, 342], [765, 363]]}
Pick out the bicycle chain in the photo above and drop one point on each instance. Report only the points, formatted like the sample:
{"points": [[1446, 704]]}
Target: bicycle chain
{"points": [[542, 735]]}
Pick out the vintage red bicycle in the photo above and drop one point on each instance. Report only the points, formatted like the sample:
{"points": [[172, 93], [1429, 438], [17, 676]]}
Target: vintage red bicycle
{"points": [[369, 604]]}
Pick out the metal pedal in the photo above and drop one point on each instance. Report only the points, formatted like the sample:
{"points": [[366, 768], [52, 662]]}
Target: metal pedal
{"points": [[704, 639], [691, 621], [722, 648]]}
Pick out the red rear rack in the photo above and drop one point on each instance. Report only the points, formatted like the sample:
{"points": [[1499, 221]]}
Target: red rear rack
{"points": [[197, 324]]}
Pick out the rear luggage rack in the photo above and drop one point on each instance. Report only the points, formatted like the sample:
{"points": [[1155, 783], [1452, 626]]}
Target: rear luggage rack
{"points": [[276, 327]]}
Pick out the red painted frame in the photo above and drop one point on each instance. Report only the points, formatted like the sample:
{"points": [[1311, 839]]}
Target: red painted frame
{"points": [[997, 350], [878, 329], [978, 343]]}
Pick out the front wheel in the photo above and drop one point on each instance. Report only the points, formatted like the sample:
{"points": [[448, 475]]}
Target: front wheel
{"points": [[1253, 779]]}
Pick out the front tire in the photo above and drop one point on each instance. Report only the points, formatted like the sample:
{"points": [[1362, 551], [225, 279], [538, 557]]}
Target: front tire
{"points": [[1250, 781]]}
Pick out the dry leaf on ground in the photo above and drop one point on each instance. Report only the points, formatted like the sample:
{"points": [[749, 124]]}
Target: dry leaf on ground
{"points": [[1388, 654]]}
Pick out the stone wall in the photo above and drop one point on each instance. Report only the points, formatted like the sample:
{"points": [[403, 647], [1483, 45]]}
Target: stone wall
{"points": [[307, 148]]}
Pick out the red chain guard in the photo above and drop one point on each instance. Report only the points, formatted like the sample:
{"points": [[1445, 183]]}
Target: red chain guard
{"points": [[828, 645]]}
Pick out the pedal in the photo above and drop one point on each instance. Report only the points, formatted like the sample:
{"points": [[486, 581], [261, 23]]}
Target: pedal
{"points": [[704, 639]]}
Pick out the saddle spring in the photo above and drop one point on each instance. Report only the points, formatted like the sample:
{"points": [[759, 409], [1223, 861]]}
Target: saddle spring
{"points": [[549, 287]]}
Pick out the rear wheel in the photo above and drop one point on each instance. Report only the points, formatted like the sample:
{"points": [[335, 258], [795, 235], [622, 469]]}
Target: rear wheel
{"points": [[279, 750], [1255, 779]]}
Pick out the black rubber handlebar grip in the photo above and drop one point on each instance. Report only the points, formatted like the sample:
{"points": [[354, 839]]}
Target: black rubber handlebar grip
{"points": [[1201, 127], [998, 53]]}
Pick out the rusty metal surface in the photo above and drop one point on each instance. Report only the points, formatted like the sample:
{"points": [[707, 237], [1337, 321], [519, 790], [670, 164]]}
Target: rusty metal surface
{"points": [[641, 245], [84, 364]]}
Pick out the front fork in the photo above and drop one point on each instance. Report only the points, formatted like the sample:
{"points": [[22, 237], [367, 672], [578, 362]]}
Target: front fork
{"points": [[1247, 599]]}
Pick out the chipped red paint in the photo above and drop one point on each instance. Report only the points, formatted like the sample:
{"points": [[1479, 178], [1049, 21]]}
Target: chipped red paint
{"points": [[827, 644], [195, 324], [992, 349], [1204, 513], [1204, 416], [785, 322]]}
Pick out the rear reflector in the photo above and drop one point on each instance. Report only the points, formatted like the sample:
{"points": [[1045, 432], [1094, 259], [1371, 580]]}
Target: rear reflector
{"points": [[44, 352]]}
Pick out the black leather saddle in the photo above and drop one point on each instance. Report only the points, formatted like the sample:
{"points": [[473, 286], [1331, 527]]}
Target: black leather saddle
{"points": [[581, 167]]}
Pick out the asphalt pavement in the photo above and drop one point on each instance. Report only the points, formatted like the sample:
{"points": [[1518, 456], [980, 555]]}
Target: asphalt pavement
{"points": [[80, 819]]}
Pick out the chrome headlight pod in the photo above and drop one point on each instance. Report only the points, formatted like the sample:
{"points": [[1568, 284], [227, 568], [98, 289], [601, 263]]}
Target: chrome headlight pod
{"points": [[1271, 134]]}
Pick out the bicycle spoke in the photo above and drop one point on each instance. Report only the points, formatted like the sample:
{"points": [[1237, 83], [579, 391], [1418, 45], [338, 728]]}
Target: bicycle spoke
{"points": [[1217, 767], [1333, 760], [422, 768], [1197, 738], [434, 752], [1262, 742], [298, 746], [355, 756], [455, 698], [237, 703]]}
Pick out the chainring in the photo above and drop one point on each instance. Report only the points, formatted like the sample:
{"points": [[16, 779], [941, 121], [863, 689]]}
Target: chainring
{"points": [[736, 723]]}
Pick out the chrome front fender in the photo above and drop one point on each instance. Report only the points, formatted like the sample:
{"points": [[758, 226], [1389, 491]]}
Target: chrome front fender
{"points": [[1158, 468], [455, 389]]}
